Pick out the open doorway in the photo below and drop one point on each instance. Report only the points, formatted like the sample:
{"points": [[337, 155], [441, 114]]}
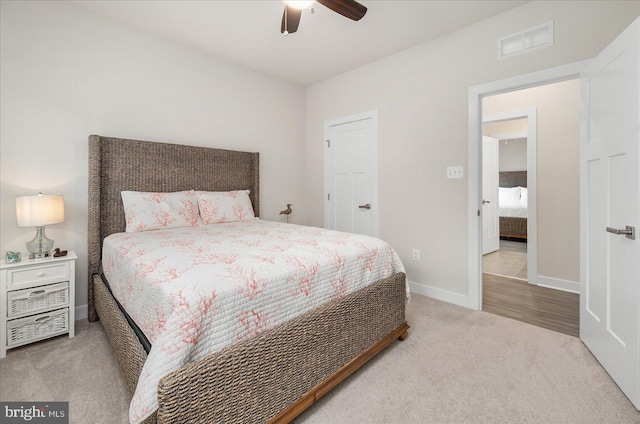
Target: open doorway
{"points": [[476, 96], [510, 136], [548, 116], [509, 257], [537, 133]]}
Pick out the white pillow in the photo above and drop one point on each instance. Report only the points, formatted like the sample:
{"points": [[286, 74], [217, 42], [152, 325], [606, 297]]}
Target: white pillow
{"points": [[225, 206], [146, 211], [508, 194], [524, 194]]}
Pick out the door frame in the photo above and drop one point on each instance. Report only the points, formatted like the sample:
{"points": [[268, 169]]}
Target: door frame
{"points": [[530, 114], [475, 95], [370, 114]]}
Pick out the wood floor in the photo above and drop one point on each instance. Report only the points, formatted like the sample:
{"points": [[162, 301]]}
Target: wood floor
{"points": [[549, 308]]}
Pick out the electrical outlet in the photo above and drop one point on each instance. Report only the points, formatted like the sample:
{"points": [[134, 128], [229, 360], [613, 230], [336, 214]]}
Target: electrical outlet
{"points": [[455, 171], [415, 254]]}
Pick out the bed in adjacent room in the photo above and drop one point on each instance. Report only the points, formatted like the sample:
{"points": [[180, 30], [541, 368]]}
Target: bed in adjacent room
{"points": [[214, 314], [513, 205]]}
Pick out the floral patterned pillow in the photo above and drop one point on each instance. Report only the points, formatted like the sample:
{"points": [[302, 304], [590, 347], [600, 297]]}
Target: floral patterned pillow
{"points": [[153, 211], [225, 206]]}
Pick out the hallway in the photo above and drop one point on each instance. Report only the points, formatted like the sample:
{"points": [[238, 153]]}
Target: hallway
{"points": [[509, 261]]}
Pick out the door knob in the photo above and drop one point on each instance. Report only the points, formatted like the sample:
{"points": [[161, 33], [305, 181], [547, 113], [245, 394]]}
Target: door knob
{"points": [[485, 201], [367, 206], [629, 231]]}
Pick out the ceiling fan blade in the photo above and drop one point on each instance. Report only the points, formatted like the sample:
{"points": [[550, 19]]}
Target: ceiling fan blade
{"points": [[290, 19], [349, 8]]}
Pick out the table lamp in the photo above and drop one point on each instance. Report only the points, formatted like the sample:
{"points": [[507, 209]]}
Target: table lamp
{"points": [[38, 211]]}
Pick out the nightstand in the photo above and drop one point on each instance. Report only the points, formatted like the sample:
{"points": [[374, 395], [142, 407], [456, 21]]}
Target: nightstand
{"points": [[37, 300]]}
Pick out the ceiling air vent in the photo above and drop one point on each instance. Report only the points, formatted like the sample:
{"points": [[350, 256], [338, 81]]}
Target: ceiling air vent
{"points": [[526, 41]]}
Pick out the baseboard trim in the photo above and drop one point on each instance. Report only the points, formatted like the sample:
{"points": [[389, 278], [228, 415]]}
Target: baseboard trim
{"points": [[558, 284], [440, 294], [82, 312]]}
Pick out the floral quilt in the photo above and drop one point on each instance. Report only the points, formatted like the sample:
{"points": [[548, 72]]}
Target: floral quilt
{"points": [[195, 290]]}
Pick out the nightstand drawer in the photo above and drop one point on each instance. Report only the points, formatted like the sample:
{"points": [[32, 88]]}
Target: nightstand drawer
{"points": [[37, 275], [37, 327], [36, 299]]}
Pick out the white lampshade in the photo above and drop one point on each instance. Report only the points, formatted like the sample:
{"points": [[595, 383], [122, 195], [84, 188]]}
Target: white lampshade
{"points": [[300, 4], [39, 210]]}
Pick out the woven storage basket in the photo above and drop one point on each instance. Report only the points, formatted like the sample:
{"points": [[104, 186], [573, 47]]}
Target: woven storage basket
{"points": [[29, 329], [38, 299]]}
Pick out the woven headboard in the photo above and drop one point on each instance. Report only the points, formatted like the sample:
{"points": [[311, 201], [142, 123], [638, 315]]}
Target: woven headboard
{"points": [[118, 164], [513, 179]]}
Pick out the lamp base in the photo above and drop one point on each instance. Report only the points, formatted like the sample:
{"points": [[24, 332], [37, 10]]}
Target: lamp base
{"points": [[40, 247]]}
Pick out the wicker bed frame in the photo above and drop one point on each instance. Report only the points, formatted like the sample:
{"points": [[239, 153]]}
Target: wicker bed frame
{"points": [[271, 377], [513, 228]]}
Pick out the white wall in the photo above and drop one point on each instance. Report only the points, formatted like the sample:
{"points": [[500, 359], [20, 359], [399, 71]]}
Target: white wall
{"points": [[513, 153], [66, 73], [421, 95]]}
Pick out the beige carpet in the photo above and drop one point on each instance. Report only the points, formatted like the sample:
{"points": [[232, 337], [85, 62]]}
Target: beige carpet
{"points": [[457, 366]]}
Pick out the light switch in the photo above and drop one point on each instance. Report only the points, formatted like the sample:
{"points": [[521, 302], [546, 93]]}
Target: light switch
{"points": [[455, 171]]}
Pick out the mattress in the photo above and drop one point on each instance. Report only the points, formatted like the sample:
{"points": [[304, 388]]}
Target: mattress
{"points": [[194, 291]]}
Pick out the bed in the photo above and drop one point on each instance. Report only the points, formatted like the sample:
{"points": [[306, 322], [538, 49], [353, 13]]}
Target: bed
{"points": [[270, 377], [513, 205]]}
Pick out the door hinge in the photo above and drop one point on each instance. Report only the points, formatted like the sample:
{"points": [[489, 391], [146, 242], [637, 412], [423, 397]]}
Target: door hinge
{"points": [[328, 143], [329, 196], [478, 212]]}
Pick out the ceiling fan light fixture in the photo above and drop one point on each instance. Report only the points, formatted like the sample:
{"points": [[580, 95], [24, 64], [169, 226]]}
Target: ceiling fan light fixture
{"points": [[293, 11], [300, 4]]}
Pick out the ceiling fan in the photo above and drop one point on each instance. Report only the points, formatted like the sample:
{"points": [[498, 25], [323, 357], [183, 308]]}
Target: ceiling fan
{"points": [[293, 11]]}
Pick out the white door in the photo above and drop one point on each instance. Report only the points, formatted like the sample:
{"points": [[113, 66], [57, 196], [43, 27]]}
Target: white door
{"points": [[351, 168], [490, 181], [609, 263]]}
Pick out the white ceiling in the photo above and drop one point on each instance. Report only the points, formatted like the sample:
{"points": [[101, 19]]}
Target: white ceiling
{"points": [[326, 44]]}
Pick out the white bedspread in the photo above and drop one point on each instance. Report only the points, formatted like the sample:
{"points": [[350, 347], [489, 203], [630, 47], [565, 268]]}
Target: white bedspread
{"points": [[513, 209], [512, 202], [194, 291]]}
